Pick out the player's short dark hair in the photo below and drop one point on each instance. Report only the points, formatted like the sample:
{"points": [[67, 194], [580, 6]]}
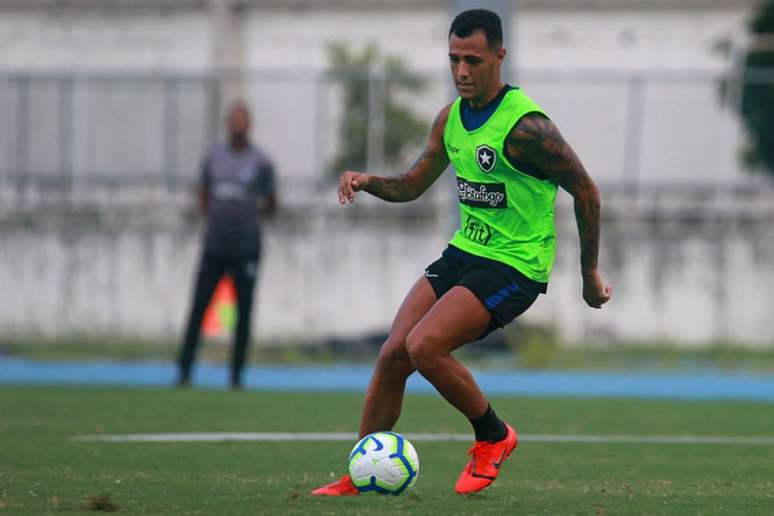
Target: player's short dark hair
{"points": [[484, 20]]}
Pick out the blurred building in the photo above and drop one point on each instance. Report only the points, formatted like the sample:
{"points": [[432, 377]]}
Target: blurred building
{"points": [[106, 105], [630, 68]]}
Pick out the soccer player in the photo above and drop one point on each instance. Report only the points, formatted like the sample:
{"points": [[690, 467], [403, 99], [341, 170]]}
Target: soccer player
{"points": [[237, 188], [509, 158]]}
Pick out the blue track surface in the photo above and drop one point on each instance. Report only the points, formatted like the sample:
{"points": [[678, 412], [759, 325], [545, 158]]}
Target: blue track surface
{"points": [[709, 384]]}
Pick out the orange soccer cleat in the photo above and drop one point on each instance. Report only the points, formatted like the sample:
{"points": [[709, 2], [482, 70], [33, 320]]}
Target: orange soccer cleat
{"points": [[341, 487], [485, 461]]}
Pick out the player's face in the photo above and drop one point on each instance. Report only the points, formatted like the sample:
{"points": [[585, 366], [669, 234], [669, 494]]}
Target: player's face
{"points": [[238, 121], [475, 66]]}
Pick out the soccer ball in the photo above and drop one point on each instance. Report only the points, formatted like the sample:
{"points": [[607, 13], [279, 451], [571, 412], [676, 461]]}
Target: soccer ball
{"points": [[384, 462]]}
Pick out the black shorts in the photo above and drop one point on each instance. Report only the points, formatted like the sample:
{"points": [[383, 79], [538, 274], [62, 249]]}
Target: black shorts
{"points": [[505, 292]]}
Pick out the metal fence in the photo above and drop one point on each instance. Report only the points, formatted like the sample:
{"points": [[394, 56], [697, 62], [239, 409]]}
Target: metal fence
{"points": [[70, 134]]}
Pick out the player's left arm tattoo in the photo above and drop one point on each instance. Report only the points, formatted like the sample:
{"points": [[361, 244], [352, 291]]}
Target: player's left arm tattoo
{"points": [[423, 173], [411, 184], [537, 141]]}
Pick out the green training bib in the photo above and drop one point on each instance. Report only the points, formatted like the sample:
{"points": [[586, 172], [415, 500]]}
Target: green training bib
{"points": [[506, 214]]}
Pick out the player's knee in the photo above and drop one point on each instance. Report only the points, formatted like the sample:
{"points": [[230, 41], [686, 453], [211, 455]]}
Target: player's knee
{"points": [[393, 355], [422, 350]]}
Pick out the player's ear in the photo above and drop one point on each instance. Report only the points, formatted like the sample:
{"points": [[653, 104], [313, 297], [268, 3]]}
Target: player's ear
{"points": [[501, 55]]}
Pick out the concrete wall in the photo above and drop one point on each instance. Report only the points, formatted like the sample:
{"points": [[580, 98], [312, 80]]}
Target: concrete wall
{"points": [[688, 275], [689, 270]]}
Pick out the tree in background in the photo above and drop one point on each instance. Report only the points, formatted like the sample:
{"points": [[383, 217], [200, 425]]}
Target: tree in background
{"points": [[758, 96], [361, 76]]}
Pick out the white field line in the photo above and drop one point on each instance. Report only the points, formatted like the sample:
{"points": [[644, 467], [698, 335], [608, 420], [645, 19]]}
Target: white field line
{"points": [[352, 437]]}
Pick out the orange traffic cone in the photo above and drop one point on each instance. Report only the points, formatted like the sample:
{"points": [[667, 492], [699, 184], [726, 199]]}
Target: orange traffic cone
{"points": [[220, 316]]}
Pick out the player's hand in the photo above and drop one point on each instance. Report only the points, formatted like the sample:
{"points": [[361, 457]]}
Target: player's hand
{"points": [[595, 292], [349, 183]]}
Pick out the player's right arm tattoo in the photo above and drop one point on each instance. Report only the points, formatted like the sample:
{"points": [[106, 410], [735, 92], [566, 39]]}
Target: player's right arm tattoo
{"points": [[537, 141], [425, 170]]}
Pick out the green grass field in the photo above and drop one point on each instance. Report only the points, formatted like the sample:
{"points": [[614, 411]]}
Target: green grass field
{"points": [[43, 471]]}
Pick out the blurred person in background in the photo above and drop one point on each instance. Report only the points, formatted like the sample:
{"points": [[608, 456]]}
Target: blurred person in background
{"points": [[509, 158], [237, 190]]}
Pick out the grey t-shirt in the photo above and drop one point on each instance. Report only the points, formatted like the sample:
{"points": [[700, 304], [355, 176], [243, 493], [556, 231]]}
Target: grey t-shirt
{"points": [[236, 181]]}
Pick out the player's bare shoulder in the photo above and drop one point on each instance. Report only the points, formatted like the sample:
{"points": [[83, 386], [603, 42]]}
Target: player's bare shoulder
{"points": [[534, 135], [442, 116], [536, 140], [434, 154], [439, 124]]}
